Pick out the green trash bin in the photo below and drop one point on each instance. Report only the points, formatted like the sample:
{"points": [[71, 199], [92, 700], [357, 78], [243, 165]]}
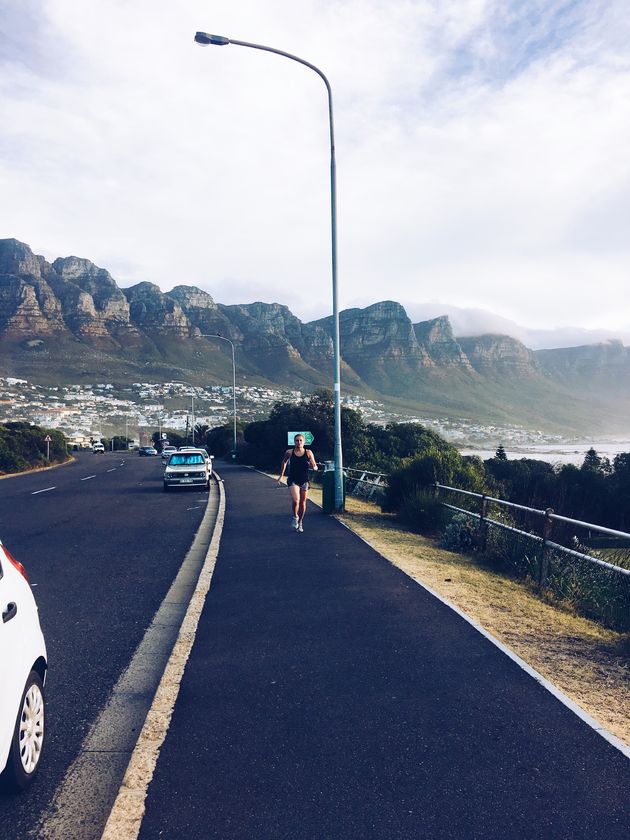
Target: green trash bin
{"points": [[328, 491]]}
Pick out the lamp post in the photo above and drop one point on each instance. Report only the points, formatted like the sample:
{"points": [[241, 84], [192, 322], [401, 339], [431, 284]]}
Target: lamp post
{"points": [[205, 39], [231, 343]]}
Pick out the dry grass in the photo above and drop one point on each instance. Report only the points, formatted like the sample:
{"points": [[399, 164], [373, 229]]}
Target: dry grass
{"points": [[587, 662]]}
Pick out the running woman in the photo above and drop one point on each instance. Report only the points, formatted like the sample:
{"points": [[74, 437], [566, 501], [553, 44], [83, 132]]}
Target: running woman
{"points": [[299, 460]]}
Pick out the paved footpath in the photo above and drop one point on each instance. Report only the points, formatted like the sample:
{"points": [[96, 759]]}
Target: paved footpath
{"points": [[330, 697]]}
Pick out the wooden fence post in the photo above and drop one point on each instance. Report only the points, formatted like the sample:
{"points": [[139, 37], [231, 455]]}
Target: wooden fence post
{"points": [[483, 525], [544, 559]]}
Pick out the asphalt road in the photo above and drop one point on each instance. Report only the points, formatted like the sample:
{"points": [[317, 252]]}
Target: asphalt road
{"points": [[101, 544], [329, 697]]}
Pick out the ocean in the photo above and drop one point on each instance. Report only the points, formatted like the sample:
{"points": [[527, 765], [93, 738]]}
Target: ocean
{"points": [[555, 453]]}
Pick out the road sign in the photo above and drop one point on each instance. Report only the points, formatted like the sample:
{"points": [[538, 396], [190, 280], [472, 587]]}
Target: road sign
{"points": [[47, 439], [308, 438]]}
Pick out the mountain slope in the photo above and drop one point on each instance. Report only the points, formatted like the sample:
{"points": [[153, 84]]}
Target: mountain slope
{"points": [[69, 321]]}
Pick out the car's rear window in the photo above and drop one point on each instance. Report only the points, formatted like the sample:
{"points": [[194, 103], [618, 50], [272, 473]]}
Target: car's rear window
{"points": [[181, 458]]}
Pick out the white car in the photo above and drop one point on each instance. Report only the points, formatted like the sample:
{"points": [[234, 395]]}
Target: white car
{"points": [[23, 665], [98, 448], [200, 450], [188, 468], [167, 451]]}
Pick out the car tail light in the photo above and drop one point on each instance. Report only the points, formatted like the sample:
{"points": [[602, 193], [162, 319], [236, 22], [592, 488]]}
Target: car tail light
{"points": [[15, 563]]}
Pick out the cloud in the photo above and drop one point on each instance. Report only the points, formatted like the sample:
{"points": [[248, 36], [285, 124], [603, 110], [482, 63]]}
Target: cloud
{"points": [[481, 149]]}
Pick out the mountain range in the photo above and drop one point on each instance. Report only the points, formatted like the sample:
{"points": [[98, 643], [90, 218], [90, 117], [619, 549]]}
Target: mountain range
{"points": [[68, 321]]}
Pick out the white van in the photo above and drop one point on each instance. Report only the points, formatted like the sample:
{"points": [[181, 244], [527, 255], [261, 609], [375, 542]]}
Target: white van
{"points": [[98, 448]]}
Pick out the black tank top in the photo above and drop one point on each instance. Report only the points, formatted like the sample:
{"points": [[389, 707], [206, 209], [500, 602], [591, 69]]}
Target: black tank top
{"points": [[298, 468]]}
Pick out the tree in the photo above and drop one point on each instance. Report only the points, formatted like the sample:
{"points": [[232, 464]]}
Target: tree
{"points": [[592, 461], [117, 442], [500, 454]]}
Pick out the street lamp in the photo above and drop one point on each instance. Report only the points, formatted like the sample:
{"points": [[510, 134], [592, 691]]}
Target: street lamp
{"points": [[223, 338], [205, 38]]}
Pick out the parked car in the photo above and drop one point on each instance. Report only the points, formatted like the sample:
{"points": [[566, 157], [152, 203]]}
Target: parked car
{"points": [[147, 451], [23, 664], [198, 449], [98, 448], [166, 452], [188, 469]]}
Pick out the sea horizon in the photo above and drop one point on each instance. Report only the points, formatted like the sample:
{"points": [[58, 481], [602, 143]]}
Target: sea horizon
{"points": [[555, 453]]}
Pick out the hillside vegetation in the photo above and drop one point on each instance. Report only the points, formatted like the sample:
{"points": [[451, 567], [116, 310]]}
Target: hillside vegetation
{"points": [[68, 321], [24, 447]]}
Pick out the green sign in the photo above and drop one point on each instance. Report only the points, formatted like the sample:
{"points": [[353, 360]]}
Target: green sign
{"points": [[308, 438]]}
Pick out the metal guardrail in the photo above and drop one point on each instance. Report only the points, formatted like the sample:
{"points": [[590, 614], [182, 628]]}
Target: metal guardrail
{"points": [[364, 483], [367, 482], [549, 517]]}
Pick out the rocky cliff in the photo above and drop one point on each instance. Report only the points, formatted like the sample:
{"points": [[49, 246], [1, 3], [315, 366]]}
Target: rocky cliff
{"points": [[70, 320], [500, 356]]}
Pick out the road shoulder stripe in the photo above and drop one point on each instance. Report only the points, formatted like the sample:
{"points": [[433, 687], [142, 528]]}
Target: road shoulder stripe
{"points": [[126, 816], [81, 805]]}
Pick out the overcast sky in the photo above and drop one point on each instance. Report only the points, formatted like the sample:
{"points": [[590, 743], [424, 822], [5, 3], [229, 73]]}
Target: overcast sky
{"points": [[482, 150]]}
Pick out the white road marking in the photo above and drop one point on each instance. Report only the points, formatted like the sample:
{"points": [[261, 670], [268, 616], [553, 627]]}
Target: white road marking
{"points": [[113, 738], [43, 491], [113, 469], [88, 477], [126, 816]]}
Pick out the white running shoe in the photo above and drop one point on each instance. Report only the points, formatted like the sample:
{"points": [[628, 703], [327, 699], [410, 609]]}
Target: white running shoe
{"points": [[295, 522], [300, 529]]}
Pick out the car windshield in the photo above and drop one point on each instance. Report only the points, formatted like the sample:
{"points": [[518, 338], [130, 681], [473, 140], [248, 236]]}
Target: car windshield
{"points": [[182, 458]]}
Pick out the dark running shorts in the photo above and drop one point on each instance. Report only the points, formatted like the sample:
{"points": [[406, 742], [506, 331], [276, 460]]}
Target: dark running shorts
{"points": [[304, 486]]}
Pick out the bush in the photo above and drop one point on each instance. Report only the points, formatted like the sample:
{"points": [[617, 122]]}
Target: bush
{"points": [[23, 446], [445, 466], [9, 460], [460, 534], [422, 512], [590, 590]]}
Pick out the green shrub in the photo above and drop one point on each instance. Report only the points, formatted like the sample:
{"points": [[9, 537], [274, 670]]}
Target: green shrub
{"points": [[10, 461], [421, 511], [460, 534], [23, 446], [445, 466], [589, 589]]}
